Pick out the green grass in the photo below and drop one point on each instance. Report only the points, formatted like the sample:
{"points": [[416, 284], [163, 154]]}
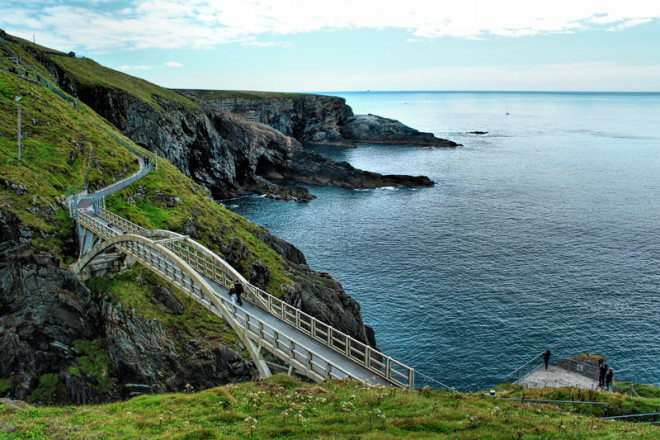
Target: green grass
{"points": [[229, 235], [282, 408], [61, 146], [126, 293], [207, 95], [87, 72], [95, 363]]}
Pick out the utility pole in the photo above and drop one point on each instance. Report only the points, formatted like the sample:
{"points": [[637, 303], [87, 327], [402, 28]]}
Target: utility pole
{"points": [[18, 99]]}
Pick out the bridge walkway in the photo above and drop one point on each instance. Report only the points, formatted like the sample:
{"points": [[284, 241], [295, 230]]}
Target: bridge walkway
{"points": [[264, 324]]}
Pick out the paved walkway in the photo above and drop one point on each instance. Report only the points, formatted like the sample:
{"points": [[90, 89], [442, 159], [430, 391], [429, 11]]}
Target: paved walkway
{"points": [[556, 377]]}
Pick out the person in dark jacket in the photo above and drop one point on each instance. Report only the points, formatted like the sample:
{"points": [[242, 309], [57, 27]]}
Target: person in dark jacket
{"points": [[609, 377], [232, 294], [239, 292], [602, 371], [546, 358]]}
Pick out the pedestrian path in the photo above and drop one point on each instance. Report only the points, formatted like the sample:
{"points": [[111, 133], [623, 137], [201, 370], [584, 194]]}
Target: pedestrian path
{"points": [[265, 324], [556, 377]]}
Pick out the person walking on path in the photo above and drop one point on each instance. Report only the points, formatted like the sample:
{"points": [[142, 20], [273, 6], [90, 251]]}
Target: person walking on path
{"points": [[232, 294], [609, 378], [239, 292], [602, 371], [546, 358]]}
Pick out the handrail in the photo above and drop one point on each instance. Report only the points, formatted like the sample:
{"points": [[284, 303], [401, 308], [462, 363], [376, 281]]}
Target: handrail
{"points": [[208, 263], [212, 266], [654, 414], [522, 399], [523, 366], [118, 186], [262, 333]]}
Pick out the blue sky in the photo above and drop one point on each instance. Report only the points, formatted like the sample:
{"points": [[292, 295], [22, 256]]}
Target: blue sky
{"points": [[343, 45]]}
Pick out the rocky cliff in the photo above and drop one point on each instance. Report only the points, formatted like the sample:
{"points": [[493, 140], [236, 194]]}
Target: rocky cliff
{"points": [[229, 154], [315, 119], [60, 343]]}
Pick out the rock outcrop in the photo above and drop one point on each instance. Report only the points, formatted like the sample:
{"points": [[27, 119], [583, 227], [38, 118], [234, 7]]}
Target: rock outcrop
{"points": [[228, 154], [316, 119], [59, 343]]}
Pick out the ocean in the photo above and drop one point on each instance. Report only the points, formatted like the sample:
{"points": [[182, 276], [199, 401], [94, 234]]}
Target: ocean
{"points": [[541, 234]]}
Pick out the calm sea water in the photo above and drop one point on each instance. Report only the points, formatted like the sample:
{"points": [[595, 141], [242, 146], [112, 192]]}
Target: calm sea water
{"points": [[542, 234]]}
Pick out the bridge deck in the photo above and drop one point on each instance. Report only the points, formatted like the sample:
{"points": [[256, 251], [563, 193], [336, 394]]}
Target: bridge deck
{"points": [[296, 335], [284, 329]]}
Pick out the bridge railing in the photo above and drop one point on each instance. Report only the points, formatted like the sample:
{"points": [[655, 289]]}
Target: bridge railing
{"points": [[121, 222], [212, 266], [98, 195], [296, 354], [380, 364]]}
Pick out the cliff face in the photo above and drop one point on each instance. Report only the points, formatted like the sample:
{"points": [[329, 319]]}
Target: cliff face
{"points": [[317, 119], [59, 343]]}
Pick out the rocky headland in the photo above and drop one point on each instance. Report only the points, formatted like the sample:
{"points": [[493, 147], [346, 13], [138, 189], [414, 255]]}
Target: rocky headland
{"points": [[235, 151], [315, 119]]}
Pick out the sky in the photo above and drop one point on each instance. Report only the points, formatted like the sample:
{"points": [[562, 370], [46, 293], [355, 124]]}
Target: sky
{"points": [[355, 45]]}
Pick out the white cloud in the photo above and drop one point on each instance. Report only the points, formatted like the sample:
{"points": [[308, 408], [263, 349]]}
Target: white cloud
{"points": [[108, 25], [173, 64]]}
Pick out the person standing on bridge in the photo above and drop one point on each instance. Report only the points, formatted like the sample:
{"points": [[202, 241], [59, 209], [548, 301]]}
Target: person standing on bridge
{"points": [[546, 358], [232, 294], [239, 292]]}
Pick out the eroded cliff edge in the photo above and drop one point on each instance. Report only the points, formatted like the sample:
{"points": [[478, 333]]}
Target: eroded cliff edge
{"points": [[315, 119], [229, 154]]}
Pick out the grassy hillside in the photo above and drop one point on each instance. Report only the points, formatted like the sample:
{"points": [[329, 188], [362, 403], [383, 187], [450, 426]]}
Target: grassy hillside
{"points": [[281, 408], [165, 199], [206, 95], [87, 72], [63, 147]]}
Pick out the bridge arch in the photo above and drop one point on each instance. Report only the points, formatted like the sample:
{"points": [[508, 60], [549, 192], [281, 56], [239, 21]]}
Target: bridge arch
{"points": [[130, 244]]}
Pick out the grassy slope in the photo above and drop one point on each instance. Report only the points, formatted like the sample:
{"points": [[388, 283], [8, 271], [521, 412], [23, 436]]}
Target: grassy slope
{"points": [[61, 145], [88, 72], [51, 163], [216, 227], [281, 408], [206, 95]]}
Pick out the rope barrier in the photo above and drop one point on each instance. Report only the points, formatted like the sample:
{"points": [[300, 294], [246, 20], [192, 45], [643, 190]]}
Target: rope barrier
{"points": [[447, 387]]}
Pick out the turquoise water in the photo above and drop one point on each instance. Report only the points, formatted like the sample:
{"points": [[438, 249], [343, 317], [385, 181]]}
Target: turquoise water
{"points": [[541, 234]]}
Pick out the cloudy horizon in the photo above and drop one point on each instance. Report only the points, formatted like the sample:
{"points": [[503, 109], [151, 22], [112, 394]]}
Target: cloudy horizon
{"points": [[296, 45]]}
